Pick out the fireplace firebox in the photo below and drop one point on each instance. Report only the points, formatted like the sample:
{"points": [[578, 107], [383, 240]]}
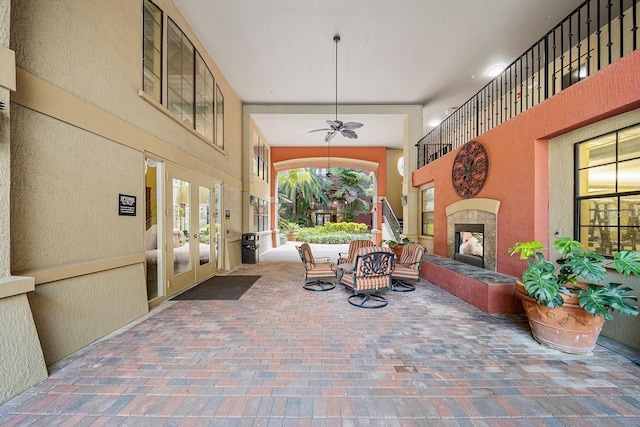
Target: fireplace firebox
{"points": [[469, 244]]}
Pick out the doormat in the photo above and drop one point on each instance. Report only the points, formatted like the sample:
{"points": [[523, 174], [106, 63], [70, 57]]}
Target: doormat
{"points": [[219, 288]]}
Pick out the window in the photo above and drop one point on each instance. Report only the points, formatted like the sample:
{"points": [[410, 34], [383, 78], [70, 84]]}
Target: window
{"points": [[608, 191], [260, 214], [192, 93], [428, 211], [219, 118], [180, 69], [152, 51], [204, 99], [260, 158]]}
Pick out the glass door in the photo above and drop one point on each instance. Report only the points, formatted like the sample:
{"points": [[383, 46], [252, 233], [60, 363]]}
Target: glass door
{"points": [[153, 228], [190, 210], [218, 245], [206, 264]]}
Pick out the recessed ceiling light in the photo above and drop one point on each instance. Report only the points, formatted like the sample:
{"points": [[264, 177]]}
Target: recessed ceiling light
{"points": [[495, 70]]}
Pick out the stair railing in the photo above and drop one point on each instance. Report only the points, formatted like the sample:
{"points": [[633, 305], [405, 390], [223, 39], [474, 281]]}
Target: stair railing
{"points": [[390, 217]]}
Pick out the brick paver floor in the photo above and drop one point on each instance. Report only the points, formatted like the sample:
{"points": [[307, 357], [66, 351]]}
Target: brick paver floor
{"points": [[284, 356]]}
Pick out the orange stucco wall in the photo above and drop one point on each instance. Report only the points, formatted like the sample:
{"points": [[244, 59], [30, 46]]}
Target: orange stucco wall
{"points": [[371, 154], [518, 157]]}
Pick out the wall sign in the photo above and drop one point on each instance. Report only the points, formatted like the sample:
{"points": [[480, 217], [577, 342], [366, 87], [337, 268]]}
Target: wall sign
{"points": [[126, 205]]}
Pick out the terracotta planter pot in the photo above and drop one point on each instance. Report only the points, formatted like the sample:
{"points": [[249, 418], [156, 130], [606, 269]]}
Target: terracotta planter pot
{"points": [[397, 249], [568, 328]]}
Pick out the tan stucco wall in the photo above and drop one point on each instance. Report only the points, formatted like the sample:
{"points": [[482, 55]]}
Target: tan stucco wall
{"points": [[4, 142], [80, 133], [65, 190], [625, 330], [22, 363], [73, 312], [256, 186]]}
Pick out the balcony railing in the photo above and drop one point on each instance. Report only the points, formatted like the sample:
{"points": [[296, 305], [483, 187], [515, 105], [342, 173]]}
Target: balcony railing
{"points": [[596, 34]]}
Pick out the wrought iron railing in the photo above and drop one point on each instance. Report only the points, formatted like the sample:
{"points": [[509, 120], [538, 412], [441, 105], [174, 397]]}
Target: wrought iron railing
{"points": [[596, 34], [392, 220]]}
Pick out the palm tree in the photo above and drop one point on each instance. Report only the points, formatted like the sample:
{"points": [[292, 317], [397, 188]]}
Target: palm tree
{"points": [[298, 192], [354, 187]]}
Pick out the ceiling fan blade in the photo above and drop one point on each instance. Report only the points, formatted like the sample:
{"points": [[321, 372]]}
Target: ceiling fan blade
{"points": [[349, 133], [352, 125], [318, 130], [329, 136]]}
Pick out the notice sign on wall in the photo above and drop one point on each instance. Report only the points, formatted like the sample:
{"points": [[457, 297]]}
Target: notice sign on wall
{"points": [[126, 205]]}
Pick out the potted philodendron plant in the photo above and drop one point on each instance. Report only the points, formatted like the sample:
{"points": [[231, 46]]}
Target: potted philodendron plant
{"points": [[567, 302], [397, 245]]}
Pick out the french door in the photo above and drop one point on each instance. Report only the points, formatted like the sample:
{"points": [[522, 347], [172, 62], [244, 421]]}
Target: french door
{"points": [[192, 233]]}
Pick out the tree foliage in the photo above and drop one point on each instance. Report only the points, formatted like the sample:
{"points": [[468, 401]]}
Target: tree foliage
{"points": [[305, 190]]}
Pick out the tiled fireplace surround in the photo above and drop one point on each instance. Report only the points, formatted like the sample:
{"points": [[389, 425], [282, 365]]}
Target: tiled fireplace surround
{"points": [[475, 211], [486, 289]]}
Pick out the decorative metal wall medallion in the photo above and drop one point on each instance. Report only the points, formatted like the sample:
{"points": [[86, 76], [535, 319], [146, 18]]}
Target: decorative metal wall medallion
{"points": [[470, 169]]}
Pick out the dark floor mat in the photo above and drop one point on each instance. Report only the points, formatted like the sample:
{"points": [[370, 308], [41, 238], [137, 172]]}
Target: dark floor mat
{"points": [[219, 288]]}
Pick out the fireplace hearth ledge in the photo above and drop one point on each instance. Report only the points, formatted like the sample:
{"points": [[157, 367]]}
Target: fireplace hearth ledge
{"points": [[491, 292]]}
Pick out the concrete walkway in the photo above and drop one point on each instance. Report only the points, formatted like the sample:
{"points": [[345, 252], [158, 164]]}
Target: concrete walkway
{"points": [[289, 253]]}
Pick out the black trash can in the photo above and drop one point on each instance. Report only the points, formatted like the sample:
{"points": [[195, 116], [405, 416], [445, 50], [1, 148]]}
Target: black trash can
{"points": [[250, 248]]}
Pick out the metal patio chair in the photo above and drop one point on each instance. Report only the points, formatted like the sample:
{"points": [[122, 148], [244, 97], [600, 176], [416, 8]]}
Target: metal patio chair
{"points": [[407, 268], [371, 274], [320, 274]]}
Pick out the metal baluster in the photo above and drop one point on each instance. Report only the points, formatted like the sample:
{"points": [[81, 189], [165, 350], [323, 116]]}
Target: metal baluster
{"points": [[599, 33], [634, 29], [588, 31], [570, 46], [621, 19], [609, 43], [579, 45]]}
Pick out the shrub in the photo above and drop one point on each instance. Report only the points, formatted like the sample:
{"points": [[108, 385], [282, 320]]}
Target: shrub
{"points": [[346, 227], [333, 233], [288, 227], [334, 238]]}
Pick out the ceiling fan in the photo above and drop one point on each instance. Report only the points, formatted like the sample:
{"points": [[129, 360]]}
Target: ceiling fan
{"points": [[336, 126]]}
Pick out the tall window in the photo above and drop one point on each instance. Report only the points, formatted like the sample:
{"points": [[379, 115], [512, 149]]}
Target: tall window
{"points": [[192, 93], [180, 69], [219, 118], [608, 191], [260, 158], [260, 214], [204, 99], [152, 51], [428, 211]]}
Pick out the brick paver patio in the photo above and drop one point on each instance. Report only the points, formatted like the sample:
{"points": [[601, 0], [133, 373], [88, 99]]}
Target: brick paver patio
{"points": [[283, 356]]}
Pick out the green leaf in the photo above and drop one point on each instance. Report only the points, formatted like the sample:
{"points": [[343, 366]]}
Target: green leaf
{"points": [[526, 249], [627, 262], [542, 286], [587, 266], [566, 245], [601, 300]]}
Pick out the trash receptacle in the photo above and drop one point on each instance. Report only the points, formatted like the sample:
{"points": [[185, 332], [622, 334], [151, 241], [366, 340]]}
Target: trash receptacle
{"points": [[250, 248]]}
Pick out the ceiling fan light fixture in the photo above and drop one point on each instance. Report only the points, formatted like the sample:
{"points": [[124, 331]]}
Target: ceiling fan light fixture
{"points": [[337, 126]]}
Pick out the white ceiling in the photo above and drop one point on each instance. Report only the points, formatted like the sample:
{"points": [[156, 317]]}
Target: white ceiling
{"points": [[432, 53]]}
